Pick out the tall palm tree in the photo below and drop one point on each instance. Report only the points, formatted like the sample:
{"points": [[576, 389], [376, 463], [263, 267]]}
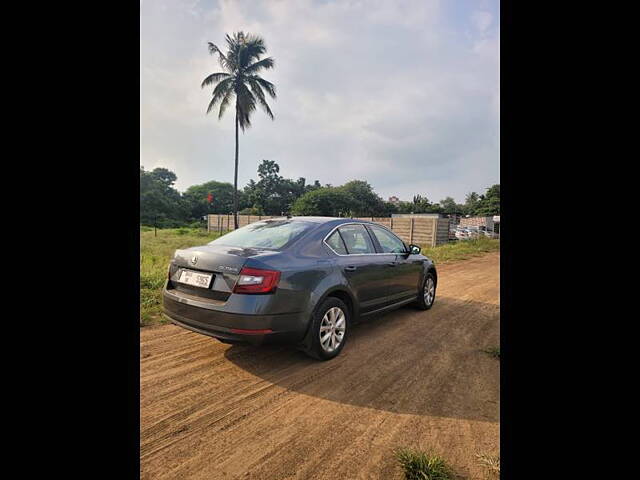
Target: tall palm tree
{"points": [[240, 81]]}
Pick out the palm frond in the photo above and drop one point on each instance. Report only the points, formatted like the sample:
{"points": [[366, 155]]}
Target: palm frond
{"points": [[254, 47], [243, 48], [246, 105], [268, 86], [255, 67], [214, 78], [234, 45], [222, 59], [232, 42], [220, 92], [225, 102], [259, 94]]}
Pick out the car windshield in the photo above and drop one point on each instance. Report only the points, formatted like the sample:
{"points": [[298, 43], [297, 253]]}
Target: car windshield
{"points": [[271, 234]]}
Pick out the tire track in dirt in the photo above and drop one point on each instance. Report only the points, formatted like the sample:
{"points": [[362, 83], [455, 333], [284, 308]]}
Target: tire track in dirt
{"points": [[210, 410]]}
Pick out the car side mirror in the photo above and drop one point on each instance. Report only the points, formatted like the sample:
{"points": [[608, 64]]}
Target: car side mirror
{"points": [[414, 249]]}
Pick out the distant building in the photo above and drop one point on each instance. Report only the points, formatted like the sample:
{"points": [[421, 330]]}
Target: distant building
{"points": [[394, 200]]}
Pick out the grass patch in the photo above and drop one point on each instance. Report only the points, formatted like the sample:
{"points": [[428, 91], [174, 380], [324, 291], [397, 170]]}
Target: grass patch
{"points": [[462, 249], [490, 463], [493, 351], [155, 255], [419, 465]]}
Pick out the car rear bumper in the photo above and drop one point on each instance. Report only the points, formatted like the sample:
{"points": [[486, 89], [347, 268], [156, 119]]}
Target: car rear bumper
{"points": [[236, 327]]}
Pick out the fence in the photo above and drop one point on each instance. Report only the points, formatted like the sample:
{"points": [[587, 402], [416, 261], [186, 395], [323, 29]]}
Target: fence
{"points": [[423, 231]]}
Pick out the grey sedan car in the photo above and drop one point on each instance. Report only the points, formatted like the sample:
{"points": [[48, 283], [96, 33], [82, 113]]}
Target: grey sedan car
{"points": [[303, 280]]}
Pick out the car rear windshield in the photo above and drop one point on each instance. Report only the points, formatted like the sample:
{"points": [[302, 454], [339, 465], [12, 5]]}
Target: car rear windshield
{"points": [[271, 234]]}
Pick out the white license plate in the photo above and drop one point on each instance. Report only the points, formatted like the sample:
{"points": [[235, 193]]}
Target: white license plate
{"points": [[197, 279]]}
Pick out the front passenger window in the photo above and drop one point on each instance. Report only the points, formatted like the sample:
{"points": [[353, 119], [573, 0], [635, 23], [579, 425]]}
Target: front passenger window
{"points": [[388, 241]]}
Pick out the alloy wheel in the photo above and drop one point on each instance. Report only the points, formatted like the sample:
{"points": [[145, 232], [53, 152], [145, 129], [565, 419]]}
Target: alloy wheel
{"points": [[429, 291], [332, 329]]}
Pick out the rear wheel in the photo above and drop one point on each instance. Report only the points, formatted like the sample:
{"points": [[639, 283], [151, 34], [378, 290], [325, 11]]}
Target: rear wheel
{"points": [[428, 293], [328, 330]]}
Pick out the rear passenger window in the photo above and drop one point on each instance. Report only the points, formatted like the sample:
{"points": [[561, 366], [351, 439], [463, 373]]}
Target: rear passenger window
{"points": [[356, 239], [336, 243]]}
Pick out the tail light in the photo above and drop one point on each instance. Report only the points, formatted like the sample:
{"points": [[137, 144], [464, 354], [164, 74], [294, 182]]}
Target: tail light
{"points": [[257, 280]]}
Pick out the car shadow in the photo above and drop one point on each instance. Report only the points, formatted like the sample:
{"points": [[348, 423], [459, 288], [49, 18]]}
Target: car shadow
{"points": [[406, 361]]}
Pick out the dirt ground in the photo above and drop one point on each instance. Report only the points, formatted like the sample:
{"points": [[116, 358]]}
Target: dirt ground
{"points": [[405, 378]]}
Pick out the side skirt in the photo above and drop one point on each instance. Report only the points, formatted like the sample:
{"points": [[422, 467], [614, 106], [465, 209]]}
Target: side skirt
{"points": [[390, 307]]}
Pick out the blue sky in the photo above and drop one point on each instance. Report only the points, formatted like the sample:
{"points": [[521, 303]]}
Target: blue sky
{"points": [[403, 94]]}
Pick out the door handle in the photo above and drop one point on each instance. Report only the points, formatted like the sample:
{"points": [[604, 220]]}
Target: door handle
{"points": [[350, 268]]}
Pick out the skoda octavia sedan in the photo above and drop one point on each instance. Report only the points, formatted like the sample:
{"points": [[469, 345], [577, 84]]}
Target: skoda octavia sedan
{"points": [[303, 280]]}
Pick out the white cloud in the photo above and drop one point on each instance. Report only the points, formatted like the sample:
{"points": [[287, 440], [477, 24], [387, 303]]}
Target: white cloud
{"points": [[391, 92]]}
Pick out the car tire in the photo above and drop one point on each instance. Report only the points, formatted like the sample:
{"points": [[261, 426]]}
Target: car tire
{"points": [[425, 302], [327, 317]]}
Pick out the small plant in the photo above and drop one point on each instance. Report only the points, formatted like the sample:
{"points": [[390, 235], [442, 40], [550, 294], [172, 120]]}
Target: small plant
{"points": [[490, 463], [419, 465], [493, 351]]}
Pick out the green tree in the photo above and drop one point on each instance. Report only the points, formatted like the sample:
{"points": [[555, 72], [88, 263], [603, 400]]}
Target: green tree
{"points": [[389, 209], [196, 200], [471, 202], [449, 206], [405, 207], [274, 194], [240, 81], [353, 199], [362, 201], [324, 201], [423, 205], [489, 203], [160, 202]]}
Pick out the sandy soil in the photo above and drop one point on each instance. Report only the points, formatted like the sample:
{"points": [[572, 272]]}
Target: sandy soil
{"points": [[406, 378]]}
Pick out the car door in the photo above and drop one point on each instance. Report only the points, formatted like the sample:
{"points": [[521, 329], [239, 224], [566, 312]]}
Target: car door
{"points": [[364, 270], [407, 269]]}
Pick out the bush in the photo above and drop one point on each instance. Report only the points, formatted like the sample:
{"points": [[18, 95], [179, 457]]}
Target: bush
{"points": [[422, 466]]}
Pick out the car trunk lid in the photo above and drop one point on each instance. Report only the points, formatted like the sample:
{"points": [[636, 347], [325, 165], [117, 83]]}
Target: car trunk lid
{"points": [[223, 262]]}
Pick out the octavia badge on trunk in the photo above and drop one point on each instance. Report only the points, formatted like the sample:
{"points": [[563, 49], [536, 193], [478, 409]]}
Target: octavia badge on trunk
{"points": [[194, 260], [228, 269]]}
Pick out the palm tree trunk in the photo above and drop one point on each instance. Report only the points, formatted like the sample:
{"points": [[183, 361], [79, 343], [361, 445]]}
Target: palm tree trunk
{"points": [[235, 179]]}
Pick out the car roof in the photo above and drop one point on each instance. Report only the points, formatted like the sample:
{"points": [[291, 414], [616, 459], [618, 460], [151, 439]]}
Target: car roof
{"points": [[316, 219], [336, 220]]}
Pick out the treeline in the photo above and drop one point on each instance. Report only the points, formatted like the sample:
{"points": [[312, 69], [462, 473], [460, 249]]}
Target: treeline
{"points": [[272, 194]]}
